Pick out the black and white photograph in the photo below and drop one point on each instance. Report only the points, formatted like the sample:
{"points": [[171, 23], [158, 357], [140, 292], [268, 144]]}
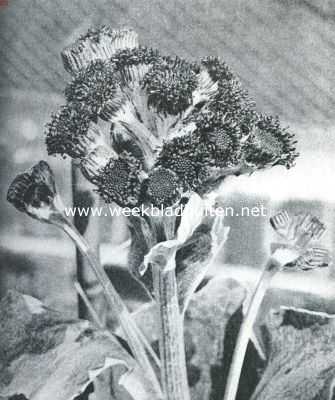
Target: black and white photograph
{"points": [[167, 224]]}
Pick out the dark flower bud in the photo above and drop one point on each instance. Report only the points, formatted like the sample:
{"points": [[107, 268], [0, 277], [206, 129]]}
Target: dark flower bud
{"points": [[34, 192]]}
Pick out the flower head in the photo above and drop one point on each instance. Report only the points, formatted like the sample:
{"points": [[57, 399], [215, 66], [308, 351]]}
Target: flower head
{"points": [[66, 131], [231, 100], [119, 180], [269, 144], [163, 187], [34, 192], [170, 84], [180, 155], [95, 88], [97, 44], [220, 138]]}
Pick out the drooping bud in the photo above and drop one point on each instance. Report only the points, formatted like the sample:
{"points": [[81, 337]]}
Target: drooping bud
{"points": [[34, 192]]}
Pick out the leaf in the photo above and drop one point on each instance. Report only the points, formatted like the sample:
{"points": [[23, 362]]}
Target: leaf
{"points": [[195, 257], [46, 356], [205, 326], [192, 216], [301, 362]]}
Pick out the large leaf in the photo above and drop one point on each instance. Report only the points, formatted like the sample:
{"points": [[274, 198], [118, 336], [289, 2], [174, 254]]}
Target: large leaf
{"points": [[205, 328], [45, 356], [301, 362]]}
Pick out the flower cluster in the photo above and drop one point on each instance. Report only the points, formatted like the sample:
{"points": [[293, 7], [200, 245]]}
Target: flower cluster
{"points": [[175, 126]]}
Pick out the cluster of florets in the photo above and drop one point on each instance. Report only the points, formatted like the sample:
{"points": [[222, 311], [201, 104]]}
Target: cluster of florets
{"points": [[175, 126]]}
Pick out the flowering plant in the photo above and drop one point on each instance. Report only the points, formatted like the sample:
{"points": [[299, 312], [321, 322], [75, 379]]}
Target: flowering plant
{"points": [[146, 128]]}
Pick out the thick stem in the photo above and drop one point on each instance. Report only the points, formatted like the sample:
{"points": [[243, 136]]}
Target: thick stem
{"points": [[246, 329], [171, 341], [132, 332]]}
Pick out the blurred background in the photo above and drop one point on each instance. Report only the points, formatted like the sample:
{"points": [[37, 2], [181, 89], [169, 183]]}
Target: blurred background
{"points": [[282, 50]]}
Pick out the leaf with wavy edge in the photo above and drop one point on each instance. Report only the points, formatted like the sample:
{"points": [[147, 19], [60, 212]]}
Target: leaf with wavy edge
{"points": [[46, 356], [301, 363]]}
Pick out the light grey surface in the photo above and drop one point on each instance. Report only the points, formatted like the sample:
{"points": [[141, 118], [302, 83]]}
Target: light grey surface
{"points": [[281, 49]]}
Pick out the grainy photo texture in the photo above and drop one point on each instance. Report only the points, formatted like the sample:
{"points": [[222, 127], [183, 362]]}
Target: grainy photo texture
{"points": [[167, 225]]}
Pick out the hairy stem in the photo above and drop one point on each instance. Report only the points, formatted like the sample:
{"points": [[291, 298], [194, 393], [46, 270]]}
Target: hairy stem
{"points": [[132, 332], [171, 340], [246, 329]]}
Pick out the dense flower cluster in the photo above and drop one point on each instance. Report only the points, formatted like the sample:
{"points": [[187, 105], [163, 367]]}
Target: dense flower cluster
{"points": [[175, 126]]}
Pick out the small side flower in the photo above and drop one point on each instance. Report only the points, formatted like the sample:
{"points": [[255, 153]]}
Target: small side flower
{"points": [[34, 193], [298, 232]]}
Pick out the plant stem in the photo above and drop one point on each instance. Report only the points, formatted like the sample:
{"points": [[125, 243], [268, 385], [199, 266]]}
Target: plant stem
{"points": [[83, 196], [246, 329], [171, 341], [88, 304], [132, 332]]}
